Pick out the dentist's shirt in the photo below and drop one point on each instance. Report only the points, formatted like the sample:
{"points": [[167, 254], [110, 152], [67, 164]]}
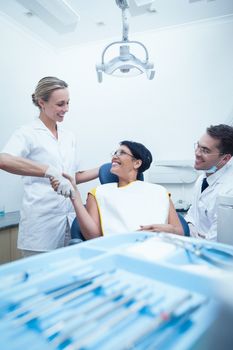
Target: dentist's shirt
{"points": [[202, 215], [44, 213]]}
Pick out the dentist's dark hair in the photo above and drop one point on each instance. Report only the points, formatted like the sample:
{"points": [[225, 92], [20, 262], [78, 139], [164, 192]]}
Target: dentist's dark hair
{"points": [[223, 133]]}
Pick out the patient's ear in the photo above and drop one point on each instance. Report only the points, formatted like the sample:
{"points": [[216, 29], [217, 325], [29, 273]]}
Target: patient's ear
{"points": [[137, 163]]}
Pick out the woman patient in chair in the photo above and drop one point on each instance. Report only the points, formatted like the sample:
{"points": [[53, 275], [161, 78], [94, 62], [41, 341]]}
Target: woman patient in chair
{"points": [[129, 205]]}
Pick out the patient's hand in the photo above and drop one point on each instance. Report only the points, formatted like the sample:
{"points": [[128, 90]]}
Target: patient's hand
{"points": [[157, 228], [74, 192], [71, 179], [65, 185]]}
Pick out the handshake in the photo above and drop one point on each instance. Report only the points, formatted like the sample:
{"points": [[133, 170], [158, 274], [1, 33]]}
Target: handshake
{"points": [[63, 185]]}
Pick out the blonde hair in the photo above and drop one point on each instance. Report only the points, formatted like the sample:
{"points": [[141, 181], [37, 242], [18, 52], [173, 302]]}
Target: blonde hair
{"points": [[45, 87]]}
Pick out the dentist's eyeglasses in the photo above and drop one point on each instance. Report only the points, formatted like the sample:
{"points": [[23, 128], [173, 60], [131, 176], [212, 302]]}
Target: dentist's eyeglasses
{"points": [[205, 151], [120, 153]]}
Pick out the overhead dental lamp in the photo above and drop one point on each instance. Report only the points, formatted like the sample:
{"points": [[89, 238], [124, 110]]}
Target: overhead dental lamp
{"points": [[126, 64]]}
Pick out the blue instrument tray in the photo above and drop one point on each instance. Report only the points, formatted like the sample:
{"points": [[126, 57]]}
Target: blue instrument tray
{"points": [[121, 292]]}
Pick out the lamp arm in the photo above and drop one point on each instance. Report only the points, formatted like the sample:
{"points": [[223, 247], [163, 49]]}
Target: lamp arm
{"points": [[142, 45], [125, 23], [123, 5], [107, 47], [124, 42]]}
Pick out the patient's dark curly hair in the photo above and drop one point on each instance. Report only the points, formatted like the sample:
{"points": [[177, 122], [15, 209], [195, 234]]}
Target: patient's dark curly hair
{"points": [[139, 151]]}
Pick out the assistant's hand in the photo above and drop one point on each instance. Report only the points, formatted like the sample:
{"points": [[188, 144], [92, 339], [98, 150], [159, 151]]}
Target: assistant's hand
{"points": [[54, 183], [52, 172], [62, 185], [65, 188]]}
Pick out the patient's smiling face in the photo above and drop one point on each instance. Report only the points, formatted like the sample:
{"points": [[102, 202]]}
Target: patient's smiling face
{"points": [[122, 161]]}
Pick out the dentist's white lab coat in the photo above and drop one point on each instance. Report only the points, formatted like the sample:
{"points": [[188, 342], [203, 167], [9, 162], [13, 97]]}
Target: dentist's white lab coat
{"points": [[203, 212], [44, 213]]}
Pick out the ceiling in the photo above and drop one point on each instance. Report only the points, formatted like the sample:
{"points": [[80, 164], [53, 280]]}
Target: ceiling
{"points": [[94, 20]]}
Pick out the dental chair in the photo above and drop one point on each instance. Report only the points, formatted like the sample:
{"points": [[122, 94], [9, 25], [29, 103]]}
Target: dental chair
{"points": [[105, 176], [184, 224]]}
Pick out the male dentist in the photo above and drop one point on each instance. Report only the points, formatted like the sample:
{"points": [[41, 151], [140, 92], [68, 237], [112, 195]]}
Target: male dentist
{"points": [[213, 155]]}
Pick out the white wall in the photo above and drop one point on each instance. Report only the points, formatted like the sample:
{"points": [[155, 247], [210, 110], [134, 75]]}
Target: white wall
{"points": [[23, 61], [191, 90]]}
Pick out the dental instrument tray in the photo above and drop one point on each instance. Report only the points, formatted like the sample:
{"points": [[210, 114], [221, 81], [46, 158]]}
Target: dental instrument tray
{"points": [[132, 291]]}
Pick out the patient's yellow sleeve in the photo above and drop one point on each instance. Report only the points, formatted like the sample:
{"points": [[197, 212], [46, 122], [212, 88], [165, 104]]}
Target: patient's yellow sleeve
{"points": [[93, 192]]}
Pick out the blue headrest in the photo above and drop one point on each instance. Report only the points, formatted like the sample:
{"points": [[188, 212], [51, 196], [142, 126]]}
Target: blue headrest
{"points": [[105, 176]]}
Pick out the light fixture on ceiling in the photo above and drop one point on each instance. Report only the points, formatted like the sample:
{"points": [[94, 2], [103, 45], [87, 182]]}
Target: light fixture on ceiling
{"points": [[126, 64], [58, 14], [140, 7]]}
